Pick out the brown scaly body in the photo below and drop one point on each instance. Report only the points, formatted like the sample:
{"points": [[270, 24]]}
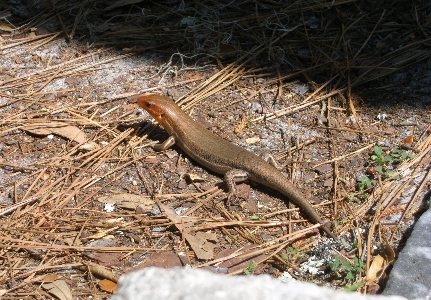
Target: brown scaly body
{"points": [[219, 155]]}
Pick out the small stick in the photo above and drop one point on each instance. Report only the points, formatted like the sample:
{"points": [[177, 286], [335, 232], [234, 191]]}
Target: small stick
{"points": [[345, 156], [18, 205]]}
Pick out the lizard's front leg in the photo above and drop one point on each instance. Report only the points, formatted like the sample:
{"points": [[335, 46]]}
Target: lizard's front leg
{"points": [[170, 141]]}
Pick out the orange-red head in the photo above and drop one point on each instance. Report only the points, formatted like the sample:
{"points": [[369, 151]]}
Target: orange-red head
{"points": [[161, 108]]}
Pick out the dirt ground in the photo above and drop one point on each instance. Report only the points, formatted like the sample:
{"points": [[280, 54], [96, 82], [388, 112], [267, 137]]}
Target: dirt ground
{"points": [[84, 198]]}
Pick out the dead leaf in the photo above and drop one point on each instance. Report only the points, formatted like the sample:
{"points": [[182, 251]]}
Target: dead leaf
{"points": [[48, 278], [408, 140], [58, 289], [193, 177], [143, 209], [102, 234], [71, 240], [162, 259], [389, 253], [127, 201], [226, 50], [115, 221], [6, 27], [252, 140], [377, 267], [379, 264], [108, 286], [90, 146], [59, 128], [240, 127], [203, 243], [106, 259]]}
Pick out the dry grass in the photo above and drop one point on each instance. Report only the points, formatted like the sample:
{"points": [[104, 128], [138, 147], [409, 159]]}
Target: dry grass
{"points": [[54, 217]]}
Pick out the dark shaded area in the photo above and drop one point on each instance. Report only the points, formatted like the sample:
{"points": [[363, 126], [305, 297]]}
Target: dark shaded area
{"points": [[352, 43]]}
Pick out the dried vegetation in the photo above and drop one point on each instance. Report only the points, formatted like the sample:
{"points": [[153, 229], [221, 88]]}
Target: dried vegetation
{"points": [[64, 160]]}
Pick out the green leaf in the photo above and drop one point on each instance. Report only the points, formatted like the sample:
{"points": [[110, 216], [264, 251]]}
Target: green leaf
{"points": [[378, 150], [379, 169], [293, 250], [380, 161], [388, 158], [347, 266], [250, 268], [366, 182], [334, 265], [353, 287]]}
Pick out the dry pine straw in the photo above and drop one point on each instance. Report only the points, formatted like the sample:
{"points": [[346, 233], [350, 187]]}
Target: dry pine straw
{"points": [[47, 202], [53, 200]]}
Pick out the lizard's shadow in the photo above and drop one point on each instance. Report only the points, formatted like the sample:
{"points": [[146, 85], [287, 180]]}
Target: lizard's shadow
{"points": [[146, 127]]}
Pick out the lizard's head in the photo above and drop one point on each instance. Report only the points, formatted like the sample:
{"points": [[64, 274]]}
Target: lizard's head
{"points": [[160, 108]]}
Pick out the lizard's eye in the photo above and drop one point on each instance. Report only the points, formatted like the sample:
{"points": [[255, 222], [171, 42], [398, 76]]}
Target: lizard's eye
{"points": [[147, 104]]}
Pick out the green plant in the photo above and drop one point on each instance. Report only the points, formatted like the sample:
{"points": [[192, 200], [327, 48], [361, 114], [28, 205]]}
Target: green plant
{"points": [[294, 253], [250, 268], [350, 271], [365, 183], [378, 156], [387, 173], [352, 197], [354, 245], [399, 156], [292, 250], [334, 265], [384, 161], [354, 287]]}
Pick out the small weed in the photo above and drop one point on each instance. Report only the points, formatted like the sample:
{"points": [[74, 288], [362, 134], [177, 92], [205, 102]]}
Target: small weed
{"points": [[384, 164], [386, 161], [295, 254], [350, 271], [354, 287], [334, 265], [365, 183], [398, 156], [353, 271], [354, 245], [250, 268], [352, 197], [378, 156]]}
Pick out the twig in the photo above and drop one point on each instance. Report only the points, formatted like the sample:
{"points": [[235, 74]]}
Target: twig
{"points": [[345, 156], [18, 205]]}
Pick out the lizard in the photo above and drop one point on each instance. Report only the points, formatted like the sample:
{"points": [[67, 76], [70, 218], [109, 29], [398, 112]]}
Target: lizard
{"points": [[219, 155]]}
